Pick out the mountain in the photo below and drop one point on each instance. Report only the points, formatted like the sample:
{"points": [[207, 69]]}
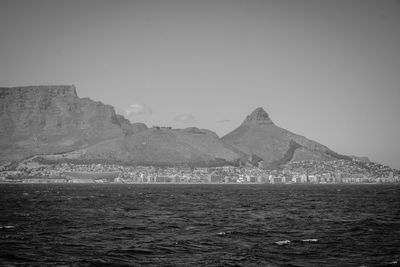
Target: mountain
{"points": [[259, 137], [54, 121]]}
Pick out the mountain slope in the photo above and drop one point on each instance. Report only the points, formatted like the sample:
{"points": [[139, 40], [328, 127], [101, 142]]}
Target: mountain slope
{"points": [[164, 146], [259, 136]]}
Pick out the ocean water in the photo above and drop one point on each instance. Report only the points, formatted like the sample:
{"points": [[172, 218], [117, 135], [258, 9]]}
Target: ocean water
{"points": [[199, 225]]}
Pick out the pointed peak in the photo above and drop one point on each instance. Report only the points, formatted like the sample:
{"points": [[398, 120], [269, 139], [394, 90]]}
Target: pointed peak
{"points": [[259, 112], [259, 115]]}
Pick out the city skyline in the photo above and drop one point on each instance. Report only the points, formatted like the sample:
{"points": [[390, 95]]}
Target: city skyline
{"points": [[326, 70]]}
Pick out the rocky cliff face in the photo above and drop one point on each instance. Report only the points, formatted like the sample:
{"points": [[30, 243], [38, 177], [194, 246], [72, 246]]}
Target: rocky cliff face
{"points": [[53, 119]]}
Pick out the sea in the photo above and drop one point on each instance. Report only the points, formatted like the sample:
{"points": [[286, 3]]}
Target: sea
{"points": [[199, 225]]}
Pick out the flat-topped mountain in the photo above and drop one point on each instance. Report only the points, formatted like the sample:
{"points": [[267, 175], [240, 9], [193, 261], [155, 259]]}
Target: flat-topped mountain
{"points": [[52, 120], [260, 137]]}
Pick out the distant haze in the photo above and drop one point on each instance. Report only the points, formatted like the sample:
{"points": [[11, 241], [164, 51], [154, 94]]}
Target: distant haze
{"points": [[329, 70]]}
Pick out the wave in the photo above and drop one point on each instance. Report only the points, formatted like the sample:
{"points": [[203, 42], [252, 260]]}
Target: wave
{"points": [[7, 226], [287, 242], [283, 242]]}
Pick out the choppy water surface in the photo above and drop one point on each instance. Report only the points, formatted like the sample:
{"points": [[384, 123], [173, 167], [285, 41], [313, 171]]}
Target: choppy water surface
{"points": [[200, 225]]}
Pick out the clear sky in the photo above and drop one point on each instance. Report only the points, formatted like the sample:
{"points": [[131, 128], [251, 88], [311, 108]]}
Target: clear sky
{"points": [[328, 70]]}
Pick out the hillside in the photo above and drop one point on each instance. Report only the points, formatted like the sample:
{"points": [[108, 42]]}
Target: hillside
{"points": [[162, 146]]}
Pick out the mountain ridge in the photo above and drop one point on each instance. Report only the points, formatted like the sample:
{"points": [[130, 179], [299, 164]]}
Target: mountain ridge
{"points": [[53, 120]]}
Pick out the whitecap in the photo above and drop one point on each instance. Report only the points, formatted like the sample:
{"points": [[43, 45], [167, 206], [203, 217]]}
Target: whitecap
{"points": [[283, 242]]}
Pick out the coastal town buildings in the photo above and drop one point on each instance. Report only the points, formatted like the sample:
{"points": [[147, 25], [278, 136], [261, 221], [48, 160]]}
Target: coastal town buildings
{"points": [[312, 172]]}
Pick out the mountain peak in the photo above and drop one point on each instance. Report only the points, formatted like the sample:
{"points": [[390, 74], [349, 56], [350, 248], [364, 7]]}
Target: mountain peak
{"points": [[259, 115]]}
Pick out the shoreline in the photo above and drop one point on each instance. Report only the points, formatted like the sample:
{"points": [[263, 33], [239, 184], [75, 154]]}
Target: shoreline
{"points": [[94, 183]]}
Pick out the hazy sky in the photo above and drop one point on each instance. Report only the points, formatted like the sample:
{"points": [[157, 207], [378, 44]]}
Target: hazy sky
{"points": [[328, 70]]}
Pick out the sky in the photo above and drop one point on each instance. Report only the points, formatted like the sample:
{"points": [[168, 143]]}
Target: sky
{"points": [[327, 70]]}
